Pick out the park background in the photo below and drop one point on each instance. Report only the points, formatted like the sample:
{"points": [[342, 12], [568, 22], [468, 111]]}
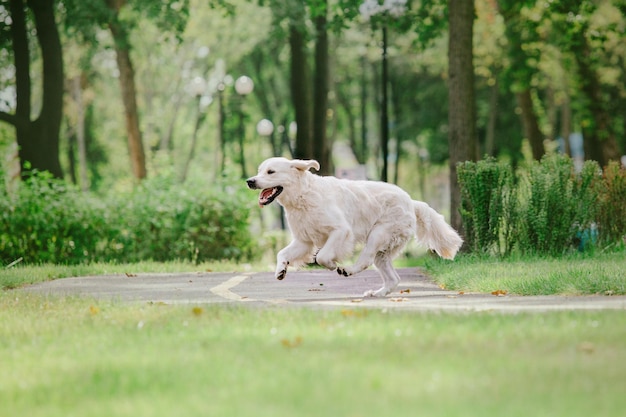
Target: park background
{"points": [[156, 110]]}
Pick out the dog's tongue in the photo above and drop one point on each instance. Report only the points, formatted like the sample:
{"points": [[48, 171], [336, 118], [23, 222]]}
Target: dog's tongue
{"points": [[265, 194]]}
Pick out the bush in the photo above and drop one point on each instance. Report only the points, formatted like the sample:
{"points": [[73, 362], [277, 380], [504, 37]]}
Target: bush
{"points": [[47, 221], [50, 221], [548, 208], [612, 204], [487, 205], [557, 204]]}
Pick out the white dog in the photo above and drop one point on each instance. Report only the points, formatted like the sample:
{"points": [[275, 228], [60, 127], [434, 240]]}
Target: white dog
{"points": [[328, 216]]}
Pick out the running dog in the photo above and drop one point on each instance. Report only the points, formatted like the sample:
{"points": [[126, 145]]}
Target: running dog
{"points": [[329, 216]]}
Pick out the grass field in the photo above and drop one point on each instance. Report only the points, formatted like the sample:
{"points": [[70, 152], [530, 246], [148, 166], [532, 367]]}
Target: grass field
{"points": [[78, 357], [81, 357], [602, 273]]}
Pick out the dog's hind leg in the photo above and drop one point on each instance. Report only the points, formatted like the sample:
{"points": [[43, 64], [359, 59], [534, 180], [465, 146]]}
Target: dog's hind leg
{"points": [[390, 277], [296, 253]]}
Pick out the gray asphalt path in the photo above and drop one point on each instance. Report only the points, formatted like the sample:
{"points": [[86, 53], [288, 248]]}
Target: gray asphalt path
{"points": [[310, 288]]}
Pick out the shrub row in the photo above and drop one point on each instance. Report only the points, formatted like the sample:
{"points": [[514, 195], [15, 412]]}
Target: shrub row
{"points": [[47, 220], [547, 208]]}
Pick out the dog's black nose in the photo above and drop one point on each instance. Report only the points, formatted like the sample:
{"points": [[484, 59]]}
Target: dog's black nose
{"points": [[251, 183]]}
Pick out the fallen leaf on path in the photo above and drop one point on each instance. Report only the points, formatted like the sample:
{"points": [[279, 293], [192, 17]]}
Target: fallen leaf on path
{"points": [[499, 293], [130, 275], [405, 291]]}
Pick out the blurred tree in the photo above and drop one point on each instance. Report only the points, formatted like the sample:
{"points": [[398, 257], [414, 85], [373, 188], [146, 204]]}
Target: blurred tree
{"points": [[321, 147], [310, 83], [522, 37], [85, 17], [300, 79], [572, 30], [461, 97], [121, 40], [38, 139]]}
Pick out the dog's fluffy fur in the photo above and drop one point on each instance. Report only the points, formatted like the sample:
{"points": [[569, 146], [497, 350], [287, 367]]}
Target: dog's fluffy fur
{"points": [[328, 216]]}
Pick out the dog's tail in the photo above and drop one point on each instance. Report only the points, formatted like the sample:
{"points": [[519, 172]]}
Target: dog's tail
{"points": [[434, 232]]}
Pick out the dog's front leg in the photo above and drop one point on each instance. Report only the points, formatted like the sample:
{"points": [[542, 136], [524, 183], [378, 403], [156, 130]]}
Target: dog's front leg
{"points": [[295, 253], [337, 246]]}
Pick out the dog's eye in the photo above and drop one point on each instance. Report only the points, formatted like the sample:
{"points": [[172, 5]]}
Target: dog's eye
{"points": [[270, 171]]}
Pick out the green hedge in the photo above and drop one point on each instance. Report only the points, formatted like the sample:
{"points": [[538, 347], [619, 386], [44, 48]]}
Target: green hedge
{"points": [[48, 220], [548, 207]]}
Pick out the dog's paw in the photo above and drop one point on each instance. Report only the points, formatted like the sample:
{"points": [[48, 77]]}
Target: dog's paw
{"points": [[343, 271], [281, 274], [328, 264], [377, 293]]}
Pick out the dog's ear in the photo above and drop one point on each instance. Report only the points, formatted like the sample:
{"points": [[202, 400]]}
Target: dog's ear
{"points": [[305, 165]]}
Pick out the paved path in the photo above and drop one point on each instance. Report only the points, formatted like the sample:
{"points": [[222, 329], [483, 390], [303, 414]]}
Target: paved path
{"points": [[316, 288]]}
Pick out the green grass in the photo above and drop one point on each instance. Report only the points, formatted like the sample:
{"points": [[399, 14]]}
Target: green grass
{"points": [[69, 356], [21, 275], [575, 274]]}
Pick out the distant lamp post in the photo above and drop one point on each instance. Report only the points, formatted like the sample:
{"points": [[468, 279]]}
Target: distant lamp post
{"points": [[243, 87], [197, 87], [380, 13], [265, 128]]}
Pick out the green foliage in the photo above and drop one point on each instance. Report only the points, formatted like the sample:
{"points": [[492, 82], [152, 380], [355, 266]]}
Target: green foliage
{"points": [[488, 204], [558, 204], [83, 18], [49, 221], [612, 204], [549, 208]]}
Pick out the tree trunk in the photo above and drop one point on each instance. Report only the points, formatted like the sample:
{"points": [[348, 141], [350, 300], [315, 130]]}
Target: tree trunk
{"points": [[77, 95], [321, 148], [38, 140], [300, 90], [399, 128], [599, 138], [343, 99], [461, 98], [129, 94], [530, 123], [362, 155], [521, 73], [490, 136], [384, 112], [566, 124]]}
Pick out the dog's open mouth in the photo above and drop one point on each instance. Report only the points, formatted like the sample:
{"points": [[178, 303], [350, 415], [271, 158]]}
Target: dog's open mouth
{"points": [[268, 195]]}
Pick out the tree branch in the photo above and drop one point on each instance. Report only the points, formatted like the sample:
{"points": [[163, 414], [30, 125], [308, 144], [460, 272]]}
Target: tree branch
{"points": [[6, 117]]}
